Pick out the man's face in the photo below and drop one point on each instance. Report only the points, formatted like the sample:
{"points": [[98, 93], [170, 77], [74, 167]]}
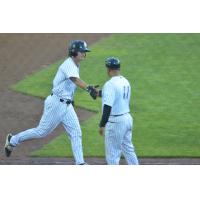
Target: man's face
{"points": [[81, 56]]}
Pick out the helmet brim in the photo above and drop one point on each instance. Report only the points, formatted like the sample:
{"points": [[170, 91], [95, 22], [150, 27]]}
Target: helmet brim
{"points": [[84, 50]]}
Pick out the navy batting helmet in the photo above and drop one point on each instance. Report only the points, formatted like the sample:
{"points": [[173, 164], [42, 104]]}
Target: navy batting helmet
{"points": [[112, 63], [77, 46]]}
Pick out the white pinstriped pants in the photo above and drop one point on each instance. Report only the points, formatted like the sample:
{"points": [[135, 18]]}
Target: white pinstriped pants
{"points": [[56, 112], [118, 140]]}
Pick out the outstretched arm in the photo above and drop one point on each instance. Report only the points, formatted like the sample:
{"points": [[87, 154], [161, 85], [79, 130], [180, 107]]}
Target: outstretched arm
{"points": [[90, 89], [80, 83]]}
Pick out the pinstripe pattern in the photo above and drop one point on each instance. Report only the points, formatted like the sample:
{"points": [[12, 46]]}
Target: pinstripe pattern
{"points": [[116, 93], [118, 140], [63, 87], [118, 130], [56, 112]]}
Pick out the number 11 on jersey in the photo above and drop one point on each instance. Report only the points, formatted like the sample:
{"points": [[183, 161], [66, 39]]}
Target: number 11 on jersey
{"points": [[126, 92]]}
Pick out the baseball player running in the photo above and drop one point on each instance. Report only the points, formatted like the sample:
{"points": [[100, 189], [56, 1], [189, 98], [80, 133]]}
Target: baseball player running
{"points": [[116, 119], [58, 107]]}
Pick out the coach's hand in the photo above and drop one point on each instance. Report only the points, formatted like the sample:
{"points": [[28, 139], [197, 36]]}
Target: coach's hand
{"points": [[100, 93], [101, 130]]}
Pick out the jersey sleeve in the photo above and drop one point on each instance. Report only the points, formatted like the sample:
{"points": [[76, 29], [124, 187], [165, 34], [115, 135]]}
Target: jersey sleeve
{"points": [[70, 70], [108, 94]]}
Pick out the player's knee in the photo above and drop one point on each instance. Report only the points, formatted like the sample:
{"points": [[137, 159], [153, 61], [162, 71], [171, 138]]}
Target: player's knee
{"points": [[128, 148]]}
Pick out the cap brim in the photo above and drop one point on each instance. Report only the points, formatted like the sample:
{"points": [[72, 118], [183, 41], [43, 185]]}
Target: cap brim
{"points": [[84, 51]]}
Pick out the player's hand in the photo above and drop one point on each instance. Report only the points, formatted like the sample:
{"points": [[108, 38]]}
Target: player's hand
{"points": [[101, 131], [93, 91]]}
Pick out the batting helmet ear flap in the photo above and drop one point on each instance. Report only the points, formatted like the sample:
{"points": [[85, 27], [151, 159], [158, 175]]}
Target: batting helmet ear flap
{"points": [[74, 52]]}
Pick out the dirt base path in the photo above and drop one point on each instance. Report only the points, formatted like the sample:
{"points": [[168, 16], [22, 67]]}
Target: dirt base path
{"points": [[98, 161], [24, 54]]}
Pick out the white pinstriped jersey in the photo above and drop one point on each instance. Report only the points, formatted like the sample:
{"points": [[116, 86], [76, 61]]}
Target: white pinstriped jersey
{"points": [[116, 93], [63, 87]]}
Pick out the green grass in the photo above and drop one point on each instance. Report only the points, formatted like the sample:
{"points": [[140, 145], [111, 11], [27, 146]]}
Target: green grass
{"points": [[164, 71]]}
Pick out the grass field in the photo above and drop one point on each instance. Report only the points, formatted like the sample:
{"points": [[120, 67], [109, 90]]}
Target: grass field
{"points": [[163, 70]]}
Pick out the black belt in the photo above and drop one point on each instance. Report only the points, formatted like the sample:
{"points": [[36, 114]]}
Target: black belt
{"points": [[68, 101], [118, 115]]}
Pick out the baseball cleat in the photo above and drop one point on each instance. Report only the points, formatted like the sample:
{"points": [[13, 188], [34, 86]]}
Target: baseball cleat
{"points": [[8, 147], [83, 163]]}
